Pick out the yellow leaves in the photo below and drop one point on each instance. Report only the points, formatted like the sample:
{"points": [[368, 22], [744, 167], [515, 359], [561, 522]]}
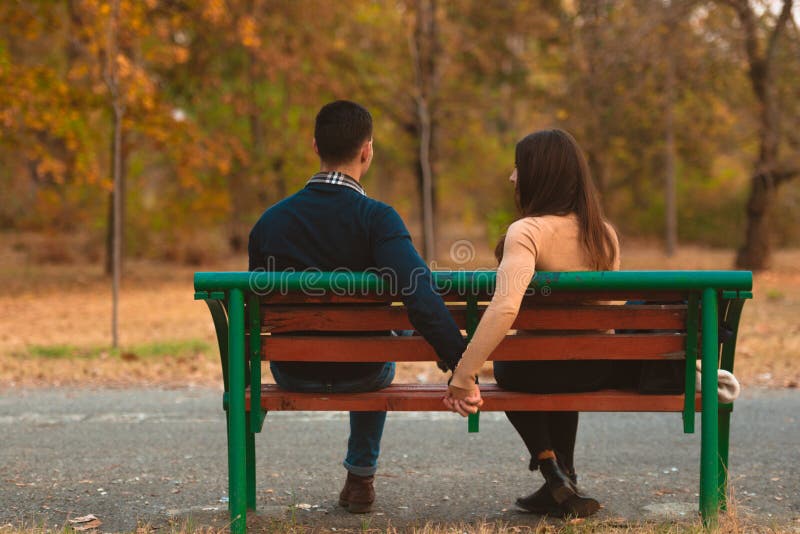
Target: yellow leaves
{"points": [[78, 71], [214, 11], [248, 32]]}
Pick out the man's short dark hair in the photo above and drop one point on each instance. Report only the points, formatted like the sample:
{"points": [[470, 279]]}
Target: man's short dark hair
{"points": [[340, 130]]}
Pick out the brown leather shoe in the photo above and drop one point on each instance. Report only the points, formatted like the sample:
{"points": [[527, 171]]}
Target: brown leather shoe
{"points": [[358, 494]]}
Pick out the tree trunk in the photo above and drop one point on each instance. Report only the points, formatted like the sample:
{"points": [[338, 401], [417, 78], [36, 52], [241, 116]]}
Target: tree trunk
{"points": [[117, 263], [426, 173], [670, 155], [756, 251], [118, 107], [670, 183], [425, 51], [109, 263], [241, 178]]}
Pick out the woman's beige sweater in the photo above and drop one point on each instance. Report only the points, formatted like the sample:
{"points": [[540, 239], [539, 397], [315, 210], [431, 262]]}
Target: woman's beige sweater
{"points": [[548, 243]]}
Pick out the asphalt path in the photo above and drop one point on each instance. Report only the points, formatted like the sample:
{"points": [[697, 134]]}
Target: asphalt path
{"points": [[152, 456]]}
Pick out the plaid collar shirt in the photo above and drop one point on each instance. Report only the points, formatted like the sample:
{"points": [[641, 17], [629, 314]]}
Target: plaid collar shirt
{"points": [[337, 178]]}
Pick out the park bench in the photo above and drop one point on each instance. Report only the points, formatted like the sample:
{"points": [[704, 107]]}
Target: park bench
{"points": [[571, 316]]}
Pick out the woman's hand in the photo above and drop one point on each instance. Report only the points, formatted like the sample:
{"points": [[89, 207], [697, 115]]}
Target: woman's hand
{"points": [[463, 401]]}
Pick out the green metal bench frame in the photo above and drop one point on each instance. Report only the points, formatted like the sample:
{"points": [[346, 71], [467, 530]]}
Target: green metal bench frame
{"points": [[721, 295]]}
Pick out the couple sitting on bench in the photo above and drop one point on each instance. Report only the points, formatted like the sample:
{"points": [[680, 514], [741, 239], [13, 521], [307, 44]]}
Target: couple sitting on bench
{"points": [[332, 224]]}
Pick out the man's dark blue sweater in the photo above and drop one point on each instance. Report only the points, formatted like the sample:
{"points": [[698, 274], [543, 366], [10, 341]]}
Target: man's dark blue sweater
{"points": [[334, 225]]}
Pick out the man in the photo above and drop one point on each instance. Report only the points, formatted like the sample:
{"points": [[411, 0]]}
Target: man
{"points": [[332, 224]]}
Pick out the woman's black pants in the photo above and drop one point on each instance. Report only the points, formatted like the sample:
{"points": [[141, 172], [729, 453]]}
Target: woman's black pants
{"points": [[556, 431]]}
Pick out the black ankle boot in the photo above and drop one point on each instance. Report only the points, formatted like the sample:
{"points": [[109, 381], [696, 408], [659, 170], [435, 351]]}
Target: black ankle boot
{"points": [[540, 502], [579, 506], [558, 483]]}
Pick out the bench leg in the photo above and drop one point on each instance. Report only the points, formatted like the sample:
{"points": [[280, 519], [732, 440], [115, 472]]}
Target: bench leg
{"points": [[250, 453], [724, 440], [237, 428], [709, 438]]}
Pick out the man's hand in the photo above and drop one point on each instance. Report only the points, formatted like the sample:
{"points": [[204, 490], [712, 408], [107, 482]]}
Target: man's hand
{"points": [[463, 401]]}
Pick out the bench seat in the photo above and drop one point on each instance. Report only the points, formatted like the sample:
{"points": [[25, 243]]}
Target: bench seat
{"points": [[428, 397]]}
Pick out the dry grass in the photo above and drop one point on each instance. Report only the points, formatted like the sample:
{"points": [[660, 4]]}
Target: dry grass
{"points": [[56, 320], [729, 524]]}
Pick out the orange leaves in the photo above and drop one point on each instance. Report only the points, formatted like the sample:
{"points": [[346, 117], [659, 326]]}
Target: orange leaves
{"points": [[181, 54], [248, 32], [53, 168], [214, 11]]}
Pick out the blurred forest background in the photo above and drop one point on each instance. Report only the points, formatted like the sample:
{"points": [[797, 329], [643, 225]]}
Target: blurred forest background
{"points": [[688, 111]]}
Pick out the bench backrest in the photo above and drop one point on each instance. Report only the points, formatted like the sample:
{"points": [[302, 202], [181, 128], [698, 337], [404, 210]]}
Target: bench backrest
{"points": [[348, 316]]}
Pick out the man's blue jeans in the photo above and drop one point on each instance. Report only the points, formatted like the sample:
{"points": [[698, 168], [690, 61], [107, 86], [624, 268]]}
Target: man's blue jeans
{"points": [[366, 428]]}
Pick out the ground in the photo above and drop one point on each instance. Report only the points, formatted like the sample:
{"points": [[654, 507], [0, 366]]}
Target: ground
{"points": [[152, 456]]}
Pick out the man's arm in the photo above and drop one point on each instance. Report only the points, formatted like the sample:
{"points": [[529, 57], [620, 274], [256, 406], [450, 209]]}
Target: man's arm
{"points": [[393, 252]]}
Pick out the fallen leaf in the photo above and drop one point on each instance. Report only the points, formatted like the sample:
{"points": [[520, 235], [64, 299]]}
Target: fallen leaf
{"points": [[87, 526], [84, 523], [83, 519]]}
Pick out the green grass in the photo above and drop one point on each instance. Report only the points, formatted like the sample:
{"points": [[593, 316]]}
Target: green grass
{"points": [[157, 349], [775, 294]]}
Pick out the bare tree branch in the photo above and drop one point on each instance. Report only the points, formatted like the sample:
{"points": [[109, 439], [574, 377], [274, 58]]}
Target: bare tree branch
{"points": [[780, 24], [785, 175]]}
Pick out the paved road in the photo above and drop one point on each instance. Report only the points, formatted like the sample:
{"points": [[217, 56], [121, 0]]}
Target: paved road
{"points": [[147, 455]]}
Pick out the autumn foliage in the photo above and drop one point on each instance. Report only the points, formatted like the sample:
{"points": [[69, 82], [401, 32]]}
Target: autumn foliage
{"points": [[220, 97]]}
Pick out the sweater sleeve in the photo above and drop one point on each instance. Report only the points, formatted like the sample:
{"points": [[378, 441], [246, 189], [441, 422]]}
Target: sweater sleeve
{"points": [[395, 255], [513, 277]]}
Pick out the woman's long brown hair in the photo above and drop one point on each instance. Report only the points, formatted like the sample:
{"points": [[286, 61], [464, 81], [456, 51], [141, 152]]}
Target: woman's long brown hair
{"points": [[553, 178]]}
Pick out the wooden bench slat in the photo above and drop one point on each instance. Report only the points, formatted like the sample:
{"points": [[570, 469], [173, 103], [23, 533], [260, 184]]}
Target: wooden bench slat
{"points": [[366, 318], [556, 297], [521, 347], [428, 397]]}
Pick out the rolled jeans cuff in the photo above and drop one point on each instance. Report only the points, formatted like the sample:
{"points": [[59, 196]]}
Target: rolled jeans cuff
{"points": [[359, 470]]}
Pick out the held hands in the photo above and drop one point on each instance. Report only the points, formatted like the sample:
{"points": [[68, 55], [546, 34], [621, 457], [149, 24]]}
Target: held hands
{"points": [[463, 401]]}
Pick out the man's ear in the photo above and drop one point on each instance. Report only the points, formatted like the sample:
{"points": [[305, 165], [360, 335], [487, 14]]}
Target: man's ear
{"points": [[314, 144], [366, 151]]}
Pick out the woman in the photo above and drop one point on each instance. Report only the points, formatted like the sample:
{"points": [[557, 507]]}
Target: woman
{"points": [[561, 227]]}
